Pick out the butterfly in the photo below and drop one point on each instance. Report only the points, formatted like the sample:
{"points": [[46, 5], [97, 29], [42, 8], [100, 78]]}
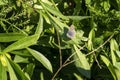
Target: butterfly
{"points": [[71, 32]]}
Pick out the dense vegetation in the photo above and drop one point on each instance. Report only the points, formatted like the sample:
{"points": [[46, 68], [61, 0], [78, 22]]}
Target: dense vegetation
{"points": [[59, 39]]}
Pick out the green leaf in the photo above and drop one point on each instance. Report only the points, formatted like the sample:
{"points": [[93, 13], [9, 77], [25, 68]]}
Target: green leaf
{"points": [[29, 69], [109, 65], [82, 63], [8, 37], [41, 58], [3, 73], [22, 43], [20, 59], [57, 23], [90, 39], [78, 17], [46, 17], [40, 25], [53, 10], [11, 70], [78, 77], [88, 2], [22, 52], [117, 70], [118, 53], [117, 65], [18, 71], [105, 5], [3, 2], [113, 47], [41, 76]]}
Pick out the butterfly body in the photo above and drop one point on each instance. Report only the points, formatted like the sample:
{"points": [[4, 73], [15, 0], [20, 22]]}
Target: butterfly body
{"points": [[71, 32]]}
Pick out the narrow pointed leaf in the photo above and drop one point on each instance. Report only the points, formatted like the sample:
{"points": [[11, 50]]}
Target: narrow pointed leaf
{"points": [[113, 48], [8, 37], [11, 70], [39, 26], [54, 11], [22, 43], [58, 22], [29, 69], [3, 73], [18, 71], [78, 17], [90, 39], [109, 65], [20, 59], [78, 77], [41, 58], [114, 45], [41, 76]]}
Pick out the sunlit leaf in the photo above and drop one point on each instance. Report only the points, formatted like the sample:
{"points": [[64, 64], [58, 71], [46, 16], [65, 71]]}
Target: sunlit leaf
{"points": [[118, 53], [41, 58], [8, 37], [90, 39], [18, 70], [109, 65], [11, 71], [3, 2], [78, 17], [117, 69], [88, 2], [3, 73], [41, 76], [82, 63], [29, 69], [39, 28], [22, 43], [54, 11], [59, 25], [46, 17], [78, 77], [113, 47], [22, 52], [20, 59], [106, 5]]}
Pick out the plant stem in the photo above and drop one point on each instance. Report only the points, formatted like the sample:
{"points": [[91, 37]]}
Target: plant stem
{"points": [[101, 45], [57, 72], [65, 64], [58, 37]]}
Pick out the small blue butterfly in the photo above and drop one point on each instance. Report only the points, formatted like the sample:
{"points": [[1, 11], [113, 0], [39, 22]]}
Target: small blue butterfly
{"points": [[71, 32]]}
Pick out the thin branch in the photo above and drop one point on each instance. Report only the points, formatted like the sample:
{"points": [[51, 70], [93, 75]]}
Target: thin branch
{"points": [[57, 72], [68, 58], [80, 48], [97, 61], [101, 45], [58, 38], [66, 63], [69, 62]]}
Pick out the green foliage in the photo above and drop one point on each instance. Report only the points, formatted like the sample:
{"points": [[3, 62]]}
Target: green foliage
{"points": [[59, 39]]}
